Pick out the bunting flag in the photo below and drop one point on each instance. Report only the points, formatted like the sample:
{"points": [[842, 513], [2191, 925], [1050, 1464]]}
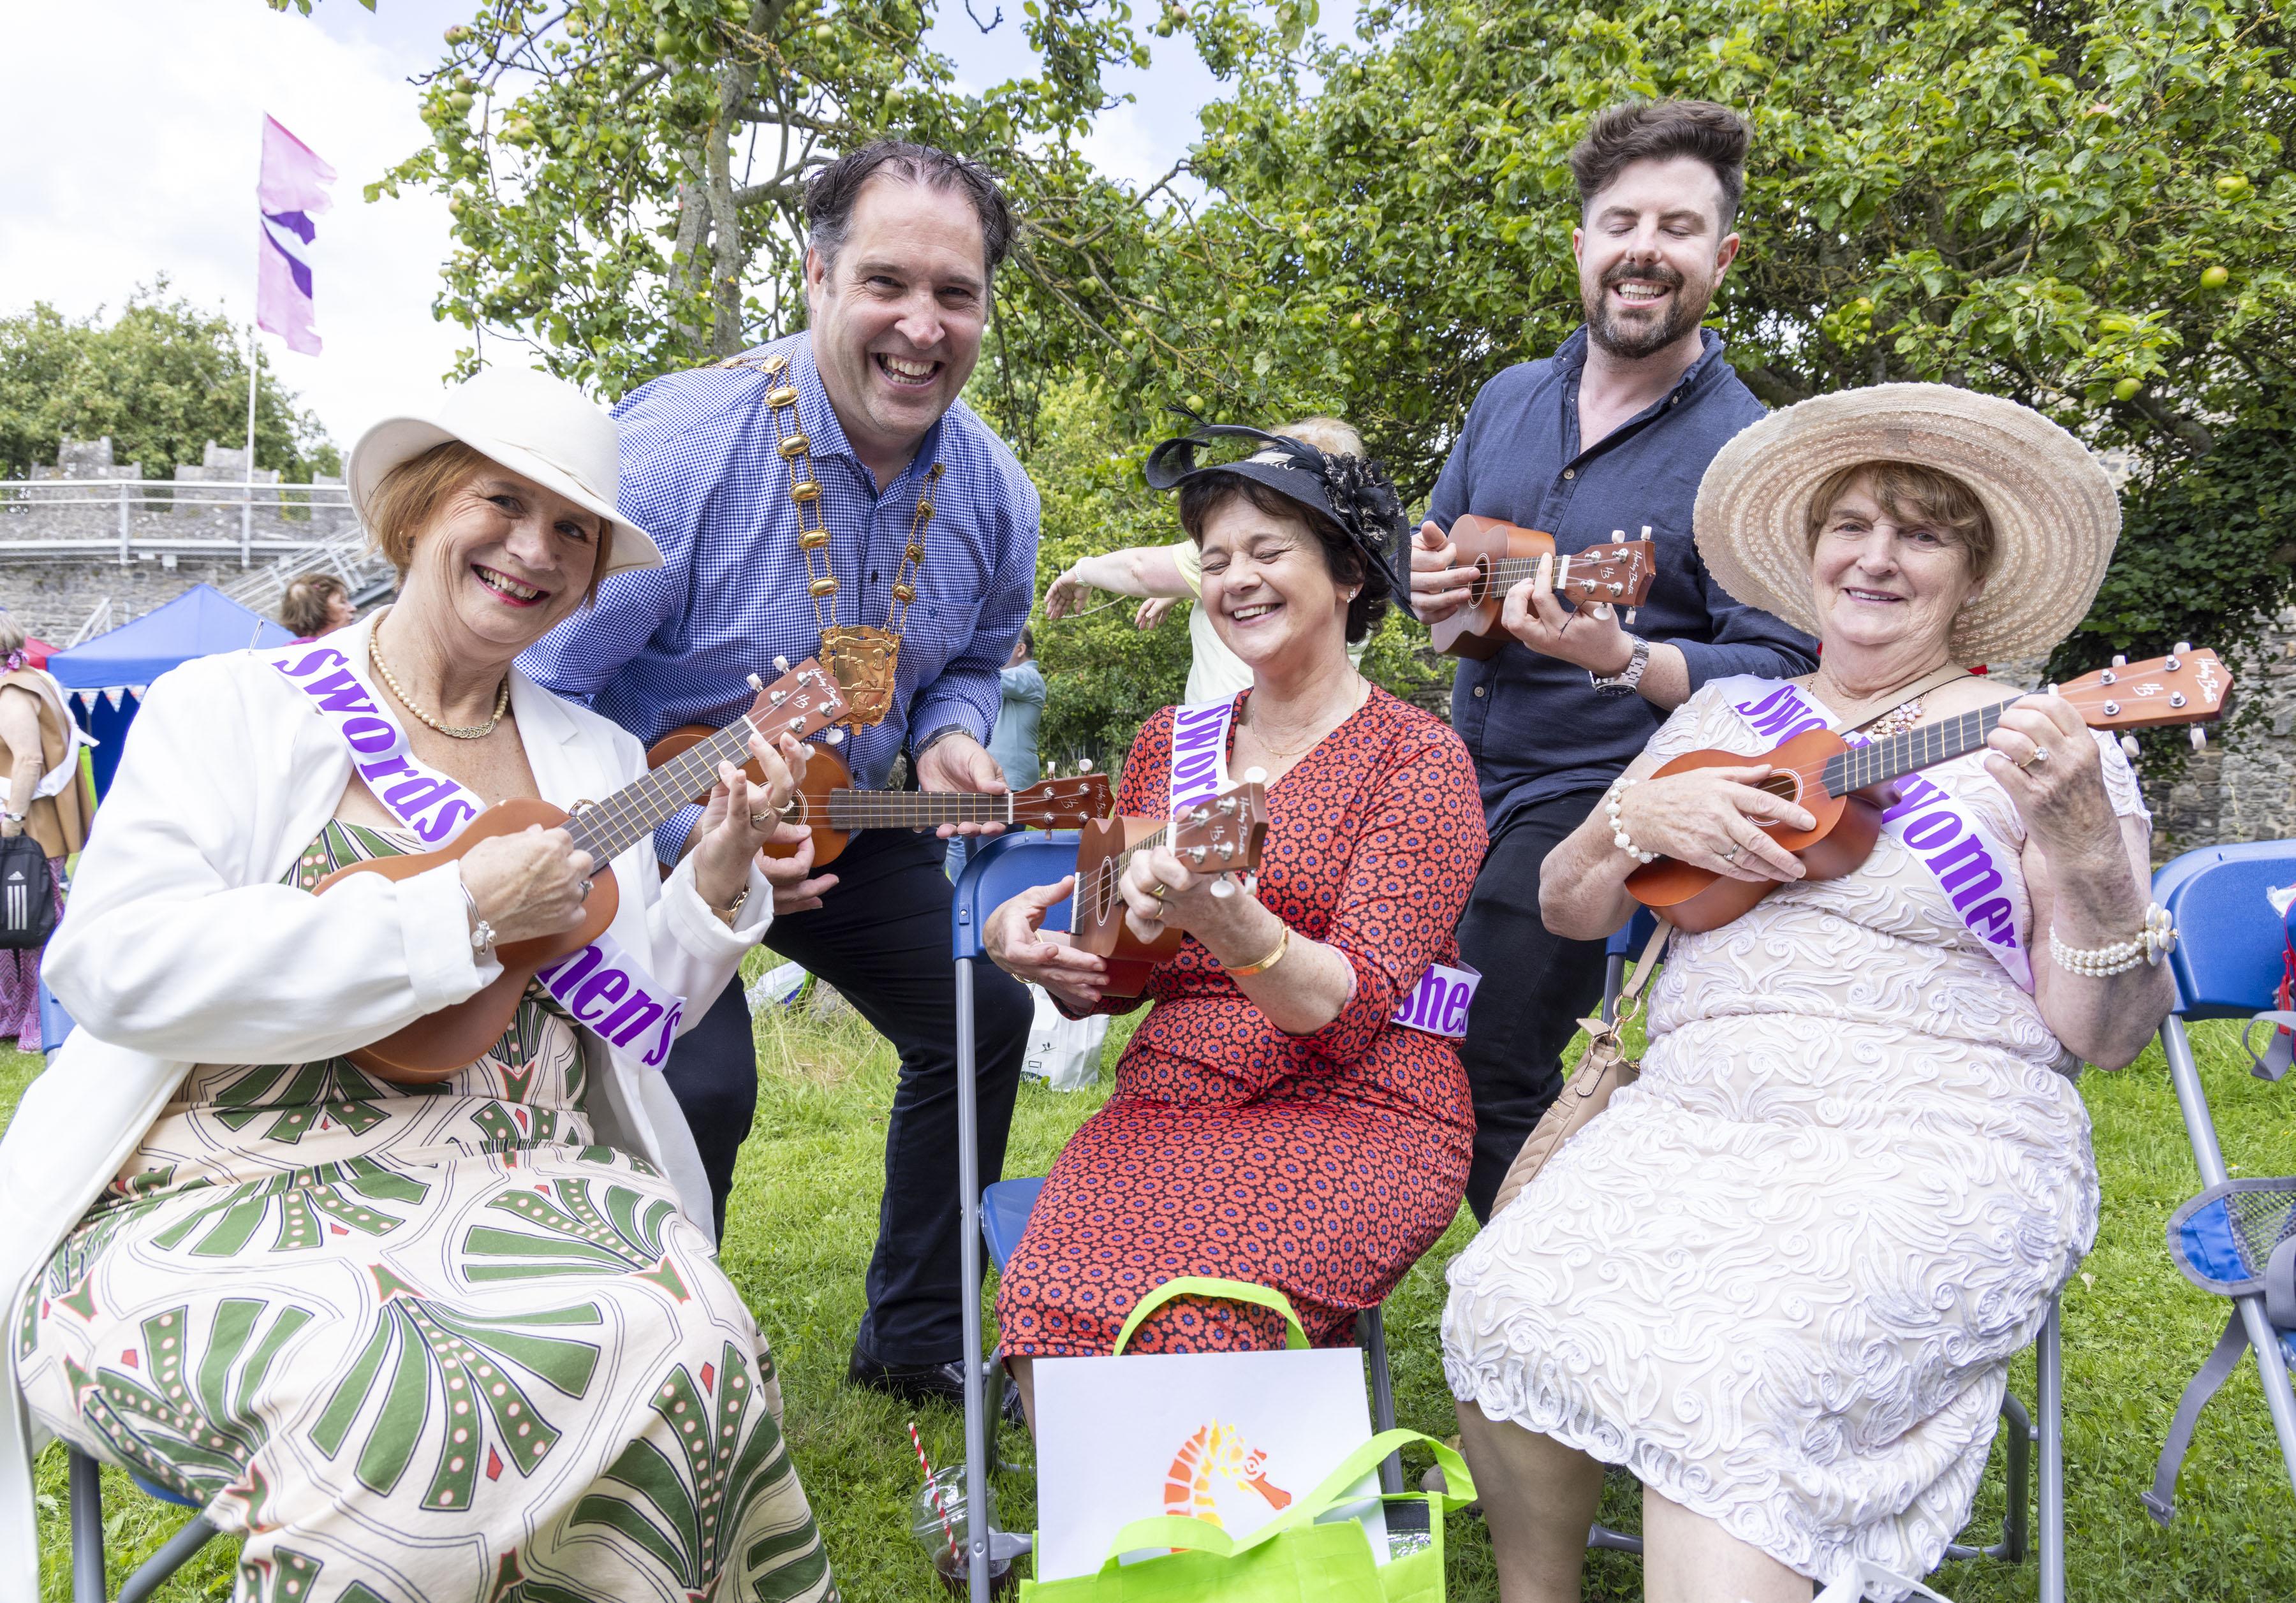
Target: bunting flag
{"points": [[293, 186]]}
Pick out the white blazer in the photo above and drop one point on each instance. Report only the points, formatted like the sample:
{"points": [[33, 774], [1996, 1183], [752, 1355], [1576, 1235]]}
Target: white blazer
{"points": [[180, 945]]}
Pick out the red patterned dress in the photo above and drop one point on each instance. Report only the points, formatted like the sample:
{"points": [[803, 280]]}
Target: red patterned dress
{"points": [[1321, 1165]]}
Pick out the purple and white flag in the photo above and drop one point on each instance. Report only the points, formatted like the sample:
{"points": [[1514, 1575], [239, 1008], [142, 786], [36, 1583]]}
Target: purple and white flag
{"points": [[293, 186]]}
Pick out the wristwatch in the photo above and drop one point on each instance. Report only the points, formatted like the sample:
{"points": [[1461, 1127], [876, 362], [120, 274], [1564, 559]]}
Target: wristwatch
{"points": [[1626, 679]]}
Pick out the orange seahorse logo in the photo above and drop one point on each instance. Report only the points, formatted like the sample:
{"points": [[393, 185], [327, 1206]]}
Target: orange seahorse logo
{"points": [[1216, 1449]]}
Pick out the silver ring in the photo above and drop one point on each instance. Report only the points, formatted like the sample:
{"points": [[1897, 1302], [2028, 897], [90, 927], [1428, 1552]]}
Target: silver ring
{"points": [[1737, 847], [585, 890]]}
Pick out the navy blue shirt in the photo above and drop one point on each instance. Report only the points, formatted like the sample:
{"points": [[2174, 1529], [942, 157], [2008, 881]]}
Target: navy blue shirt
{"points": [[1533, 723]]}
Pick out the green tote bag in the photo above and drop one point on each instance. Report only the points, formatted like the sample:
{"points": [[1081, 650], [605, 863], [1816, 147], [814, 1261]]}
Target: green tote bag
{"points": [[1290, 1559]]}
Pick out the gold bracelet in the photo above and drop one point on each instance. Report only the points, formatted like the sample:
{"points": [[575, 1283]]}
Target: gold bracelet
{"points": [[1283, 943]]}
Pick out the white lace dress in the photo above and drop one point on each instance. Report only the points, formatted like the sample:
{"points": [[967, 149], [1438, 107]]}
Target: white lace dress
{"points": [[1781, 1277]]}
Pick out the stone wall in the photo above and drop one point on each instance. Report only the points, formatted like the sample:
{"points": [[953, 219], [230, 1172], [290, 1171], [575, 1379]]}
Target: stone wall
{"points": [[61, 531]]}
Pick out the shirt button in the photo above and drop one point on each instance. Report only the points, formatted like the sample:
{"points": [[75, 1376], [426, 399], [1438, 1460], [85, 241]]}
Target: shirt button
{"points": [[1478, 691], [1569, 472]]}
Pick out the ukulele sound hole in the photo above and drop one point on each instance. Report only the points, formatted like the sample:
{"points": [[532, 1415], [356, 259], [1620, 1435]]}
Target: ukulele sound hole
{"points": [[1782, 786]]}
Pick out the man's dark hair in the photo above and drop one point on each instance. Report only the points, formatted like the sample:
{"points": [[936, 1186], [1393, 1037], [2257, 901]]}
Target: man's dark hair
{"points": [[1659, 131], [831, 193]]}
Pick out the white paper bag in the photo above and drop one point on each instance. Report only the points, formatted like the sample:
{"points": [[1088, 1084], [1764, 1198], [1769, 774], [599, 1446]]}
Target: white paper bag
{"points": [[1063, 1052], [1233, 1437]]}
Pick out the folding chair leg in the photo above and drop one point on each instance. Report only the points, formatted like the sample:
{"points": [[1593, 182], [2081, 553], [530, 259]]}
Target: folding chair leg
{"points": [[85, 1478], [160, 1568], [1371, 1332], [2049, 1366], [968, 1184], [2272, 1369]]}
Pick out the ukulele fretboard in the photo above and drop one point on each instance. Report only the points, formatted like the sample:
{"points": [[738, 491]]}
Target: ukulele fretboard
{"points": [[607, 828], [1917, 747], [912, 809]]}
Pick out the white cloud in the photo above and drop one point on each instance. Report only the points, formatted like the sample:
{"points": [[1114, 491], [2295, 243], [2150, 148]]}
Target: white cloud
{"points": [[143, 162]]}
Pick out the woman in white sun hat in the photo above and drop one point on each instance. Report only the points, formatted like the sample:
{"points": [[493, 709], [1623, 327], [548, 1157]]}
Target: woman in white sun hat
{"points": [[432, 1339], [1780, 1278]]}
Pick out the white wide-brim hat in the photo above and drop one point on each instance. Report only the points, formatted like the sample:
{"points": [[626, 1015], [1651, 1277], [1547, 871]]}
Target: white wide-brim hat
{"points": [[537, 427], [2055, 516]]}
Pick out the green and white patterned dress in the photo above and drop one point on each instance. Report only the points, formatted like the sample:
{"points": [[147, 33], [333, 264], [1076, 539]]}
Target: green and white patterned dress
{"points": [[422, 1344]]}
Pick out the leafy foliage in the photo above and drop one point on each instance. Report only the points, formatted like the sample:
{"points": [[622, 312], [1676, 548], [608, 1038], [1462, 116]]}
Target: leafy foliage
{"points": [[162, 380]]}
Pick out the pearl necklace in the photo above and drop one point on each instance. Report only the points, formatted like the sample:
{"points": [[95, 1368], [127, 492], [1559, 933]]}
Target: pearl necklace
{"points": [[468, 731]]}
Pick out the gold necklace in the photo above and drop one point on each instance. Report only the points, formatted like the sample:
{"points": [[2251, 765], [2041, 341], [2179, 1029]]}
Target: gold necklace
{"points": [[1362, 689], [862, 657], [468, 731]]}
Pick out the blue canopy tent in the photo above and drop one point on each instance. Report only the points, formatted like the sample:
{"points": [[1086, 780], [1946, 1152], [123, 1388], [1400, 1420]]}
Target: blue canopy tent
{"points": [[198, 623]]}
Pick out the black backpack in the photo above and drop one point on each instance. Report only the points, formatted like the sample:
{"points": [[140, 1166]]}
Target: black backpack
{"points": [[28, 894]]}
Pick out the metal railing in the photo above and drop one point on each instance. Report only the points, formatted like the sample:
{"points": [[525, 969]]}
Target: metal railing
{"points": [[126, 503]]}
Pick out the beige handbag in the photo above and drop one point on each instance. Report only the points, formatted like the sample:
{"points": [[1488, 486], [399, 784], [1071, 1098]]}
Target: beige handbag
{"points": [[1605, 1068]]}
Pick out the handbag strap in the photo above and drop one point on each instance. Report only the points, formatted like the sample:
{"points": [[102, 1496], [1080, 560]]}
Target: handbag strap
{"points": [[1645, 966], [1295, 1334], [1185, 1533]]}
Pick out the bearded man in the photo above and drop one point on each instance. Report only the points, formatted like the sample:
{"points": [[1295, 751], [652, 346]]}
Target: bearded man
{"points": [[1610, 434]]}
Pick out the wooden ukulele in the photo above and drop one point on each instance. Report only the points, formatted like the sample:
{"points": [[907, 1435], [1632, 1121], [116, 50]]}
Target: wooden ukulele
{"points": [[1846, 787], [1225, 832], [826, 805], [1503, 556], [800, 702]]}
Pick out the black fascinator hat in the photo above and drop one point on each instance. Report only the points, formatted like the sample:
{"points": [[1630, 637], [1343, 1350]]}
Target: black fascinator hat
{"points": [[1354, 493]]}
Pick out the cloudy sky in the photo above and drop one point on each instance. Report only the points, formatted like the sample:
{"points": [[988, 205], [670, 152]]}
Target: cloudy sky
{"points": [[156, 174]]}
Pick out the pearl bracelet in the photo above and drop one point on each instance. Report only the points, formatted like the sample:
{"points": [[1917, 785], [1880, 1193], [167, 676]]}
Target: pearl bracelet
{"points": [[1611, 799], [2154, 939]]}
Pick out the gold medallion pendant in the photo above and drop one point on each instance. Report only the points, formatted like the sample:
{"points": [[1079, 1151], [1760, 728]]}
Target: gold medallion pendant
{"points": [[862, 658], [863, 661]]}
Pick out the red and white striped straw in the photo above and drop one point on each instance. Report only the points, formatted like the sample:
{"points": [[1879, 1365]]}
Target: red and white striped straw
{"points": [[932, 1492]]}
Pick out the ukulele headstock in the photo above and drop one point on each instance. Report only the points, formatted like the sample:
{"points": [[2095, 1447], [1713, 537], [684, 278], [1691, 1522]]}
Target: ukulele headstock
{"points": [[1620, 574], [1223, 834], [2183, 687], [803, 701], [1063, 803]]}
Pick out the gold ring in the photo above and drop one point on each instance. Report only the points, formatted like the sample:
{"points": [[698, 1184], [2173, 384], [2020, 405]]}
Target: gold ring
{"points": [[762, 821], [1156, 888], [2040, 756]]}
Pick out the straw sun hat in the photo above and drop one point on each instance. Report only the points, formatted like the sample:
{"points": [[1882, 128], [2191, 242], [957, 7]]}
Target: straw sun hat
{"points": [[2055, 514], [540, 427]]}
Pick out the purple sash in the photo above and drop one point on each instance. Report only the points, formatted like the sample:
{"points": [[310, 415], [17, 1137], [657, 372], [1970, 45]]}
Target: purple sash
{"points": [[1977, 872], [601, 985], [1437, 1003]]}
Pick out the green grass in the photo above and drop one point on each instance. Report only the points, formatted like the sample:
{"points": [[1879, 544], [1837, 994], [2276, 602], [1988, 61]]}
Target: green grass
{"points": [[805, 1215]]}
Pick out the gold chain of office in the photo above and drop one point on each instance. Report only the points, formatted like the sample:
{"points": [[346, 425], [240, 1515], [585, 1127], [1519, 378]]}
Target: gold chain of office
{"points": [[863, 659]]}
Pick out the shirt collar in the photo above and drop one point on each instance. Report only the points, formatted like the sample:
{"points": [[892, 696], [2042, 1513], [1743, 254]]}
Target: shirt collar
{"points": [[1570, 358]]}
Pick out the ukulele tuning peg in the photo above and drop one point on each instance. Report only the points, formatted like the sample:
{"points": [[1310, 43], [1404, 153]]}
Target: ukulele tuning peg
{"points": [[2120, 662], [2129, 747], [836, 737], [1255, 776], [1645, 531], [1084, 764], [781, 664], [1251, 883], [2183, 648], [756, 684], [2199, 738], [1631, 615], [1223, 888]]}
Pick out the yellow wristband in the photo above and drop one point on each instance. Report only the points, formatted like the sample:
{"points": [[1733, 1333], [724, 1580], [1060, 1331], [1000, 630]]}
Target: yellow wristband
{"points": [[1283, 944]]}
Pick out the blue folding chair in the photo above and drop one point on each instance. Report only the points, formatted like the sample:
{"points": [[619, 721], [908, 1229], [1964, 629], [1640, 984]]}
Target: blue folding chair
{"points": [[2227, 965], [55, 1024], [2019, 1435]]}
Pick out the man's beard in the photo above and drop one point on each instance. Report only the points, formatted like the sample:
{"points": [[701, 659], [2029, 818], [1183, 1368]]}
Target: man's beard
{"points": [[1631, 342]]}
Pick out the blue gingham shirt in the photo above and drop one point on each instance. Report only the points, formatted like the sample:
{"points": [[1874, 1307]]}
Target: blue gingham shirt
{"points": [[674, 644]]}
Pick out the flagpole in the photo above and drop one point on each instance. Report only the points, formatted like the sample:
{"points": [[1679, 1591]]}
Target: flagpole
{"points": [[247, 503]]}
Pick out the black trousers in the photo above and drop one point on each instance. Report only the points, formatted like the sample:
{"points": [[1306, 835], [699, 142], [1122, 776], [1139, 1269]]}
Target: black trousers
{"points": [[881, 938], [1537, 986]]}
